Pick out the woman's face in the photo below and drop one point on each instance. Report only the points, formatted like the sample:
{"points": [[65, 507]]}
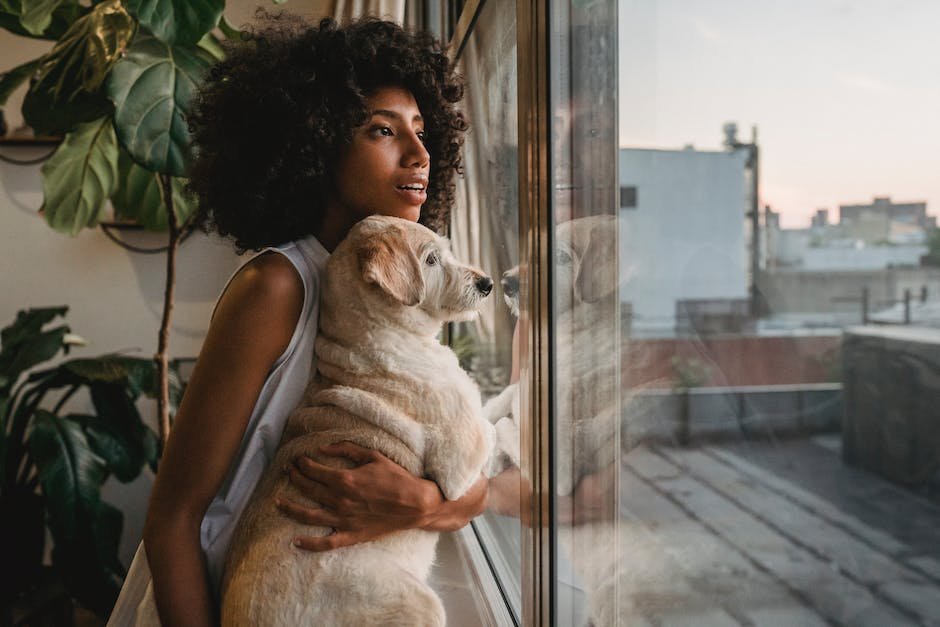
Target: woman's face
{"points": [[385, 169]]}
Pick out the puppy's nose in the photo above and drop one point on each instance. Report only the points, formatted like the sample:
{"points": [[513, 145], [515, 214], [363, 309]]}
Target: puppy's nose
{"points": [[484, 285], [510, 285]]}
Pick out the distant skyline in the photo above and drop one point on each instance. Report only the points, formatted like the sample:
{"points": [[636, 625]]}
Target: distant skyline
{"points": [[845, 93]]}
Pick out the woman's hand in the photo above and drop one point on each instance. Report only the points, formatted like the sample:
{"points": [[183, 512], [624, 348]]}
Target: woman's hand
{"points": [[510, 494], [372, 499]]}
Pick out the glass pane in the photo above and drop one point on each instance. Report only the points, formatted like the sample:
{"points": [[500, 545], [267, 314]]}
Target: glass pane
{"points": [[585, 316], [486, 231], [780, 452]]}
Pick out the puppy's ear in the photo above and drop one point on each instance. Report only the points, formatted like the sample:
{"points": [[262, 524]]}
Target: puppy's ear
{"points": [[597, 273], [388, 261]]}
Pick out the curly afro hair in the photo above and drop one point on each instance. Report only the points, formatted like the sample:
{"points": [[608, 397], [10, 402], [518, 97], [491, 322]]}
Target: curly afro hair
{"points": [[270, 120]]}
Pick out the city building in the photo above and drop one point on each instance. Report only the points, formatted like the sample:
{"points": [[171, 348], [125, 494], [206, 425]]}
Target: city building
{"points": [[692, 203]]}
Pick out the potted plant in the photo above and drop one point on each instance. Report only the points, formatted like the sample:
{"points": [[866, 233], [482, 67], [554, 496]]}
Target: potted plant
{"points": [[117, 85], [687, 373], [53, 463]]}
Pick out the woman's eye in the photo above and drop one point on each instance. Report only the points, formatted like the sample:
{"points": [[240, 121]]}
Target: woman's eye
{"points": [[384, 131], [422, 136]]}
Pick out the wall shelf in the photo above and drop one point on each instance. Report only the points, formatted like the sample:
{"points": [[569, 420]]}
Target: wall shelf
{"points": [[30, 141]]}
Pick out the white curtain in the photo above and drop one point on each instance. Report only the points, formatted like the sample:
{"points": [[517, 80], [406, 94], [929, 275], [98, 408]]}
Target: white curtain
{"points": [[393, 10]]}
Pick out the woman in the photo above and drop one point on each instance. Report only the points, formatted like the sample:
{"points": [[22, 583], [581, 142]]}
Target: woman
{"points": [[300, 133]]}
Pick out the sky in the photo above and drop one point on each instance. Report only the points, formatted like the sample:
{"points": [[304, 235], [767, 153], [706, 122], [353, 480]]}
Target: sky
{"points": [[845, 94]]}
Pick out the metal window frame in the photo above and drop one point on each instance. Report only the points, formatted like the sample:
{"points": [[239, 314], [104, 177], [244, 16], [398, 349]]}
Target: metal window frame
{"points": [[533, 28], [535, 246]]}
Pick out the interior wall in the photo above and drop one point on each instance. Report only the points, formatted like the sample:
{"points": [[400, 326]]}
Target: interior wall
{"points": [[115, 297]]}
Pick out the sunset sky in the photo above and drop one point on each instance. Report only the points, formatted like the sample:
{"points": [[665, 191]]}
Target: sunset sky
{"points": [[845, 93]]}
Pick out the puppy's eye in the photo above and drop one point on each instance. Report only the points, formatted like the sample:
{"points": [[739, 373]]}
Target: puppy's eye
{"points": [[432, 259], [562, 257]]}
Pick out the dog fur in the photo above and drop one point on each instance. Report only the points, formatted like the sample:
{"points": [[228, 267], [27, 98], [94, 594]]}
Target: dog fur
{"points": [[384, 382], [586, 359]]}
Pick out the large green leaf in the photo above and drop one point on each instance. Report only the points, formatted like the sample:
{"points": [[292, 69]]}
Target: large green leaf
{"points": [[177, 21], [139, 197], [16, 77], [28, 323], [229, 30], [70, 473], [36, 349], [23, 344], [80, 176], [69, 88], [62, 17], [152, 88], [123, 456], [104, 369], [139, 375], [211, 44], [36, 15]]}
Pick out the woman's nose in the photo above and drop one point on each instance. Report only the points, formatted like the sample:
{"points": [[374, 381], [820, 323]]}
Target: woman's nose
{"points": [[416, 154]]}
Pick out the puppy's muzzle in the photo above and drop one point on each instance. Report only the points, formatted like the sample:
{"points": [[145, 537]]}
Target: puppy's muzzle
{"points": [[510, 285], [484, 285]]}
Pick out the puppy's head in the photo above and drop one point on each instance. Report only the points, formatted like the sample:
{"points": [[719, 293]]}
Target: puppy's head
{"points": [[586, 259], [510, 283], [414, 267], [585, 264]]}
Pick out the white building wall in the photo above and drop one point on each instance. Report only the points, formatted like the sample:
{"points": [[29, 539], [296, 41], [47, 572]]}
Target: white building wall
{"points": [[686, 237], [862, 258]]}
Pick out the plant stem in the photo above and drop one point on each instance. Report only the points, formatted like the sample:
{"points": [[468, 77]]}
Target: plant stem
{"points": [[65, 398], [162, 356]]}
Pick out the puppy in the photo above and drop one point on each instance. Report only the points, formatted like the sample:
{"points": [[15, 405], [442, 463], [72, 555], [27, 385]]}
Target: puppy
{"points": [[384, 382], [586, 362]]}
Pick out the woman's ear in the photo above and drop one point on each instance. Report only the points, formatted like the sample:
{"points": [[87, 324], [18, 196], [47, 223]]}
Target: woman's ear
{"points": [[387, 260]]}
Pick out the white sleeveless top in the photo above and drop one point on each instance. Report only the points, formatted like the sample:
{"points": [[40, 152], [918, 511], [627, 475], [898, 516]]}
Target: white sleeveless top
{"points": [[281, 393]]}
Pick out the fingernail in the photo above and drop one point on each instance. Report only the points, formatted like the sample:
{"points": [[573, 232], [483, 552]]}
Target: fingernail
{"points": [[296, 541]]}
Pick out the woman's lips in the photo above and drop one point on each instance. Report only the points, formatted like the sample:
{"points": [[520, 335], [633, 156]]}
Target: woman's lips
{"points": [[413, 196]]}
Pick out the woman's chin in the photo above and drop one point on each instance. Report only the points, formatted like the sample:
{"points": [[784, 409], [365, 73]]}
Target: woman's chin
{"points": [[410, 213]]}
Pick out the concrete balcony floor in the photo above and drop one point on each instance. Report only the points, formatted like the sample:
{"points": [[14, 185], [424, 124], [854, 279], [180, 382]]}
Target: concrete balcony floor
{"points": [[772, 533]]}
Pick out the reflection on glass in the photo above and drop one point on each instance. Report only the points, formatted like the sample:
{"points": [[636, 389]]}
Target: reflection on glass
{"points": [[585, 316], [486, 231], [780, 453]]}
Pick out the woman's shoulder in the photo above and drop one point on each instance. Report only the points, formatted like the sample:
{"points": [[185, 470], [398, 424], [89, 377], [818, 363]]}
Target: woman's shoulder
{"points": [[268, 283]]}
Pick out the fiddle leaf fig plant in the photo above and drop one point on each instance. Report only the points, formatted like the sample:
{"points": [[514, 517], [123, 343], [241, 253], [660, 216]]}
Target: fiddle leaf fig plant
{"points": [[177, 21], [118, 83], [67, 89], [80, 176], [53, 464], [151, 90]]}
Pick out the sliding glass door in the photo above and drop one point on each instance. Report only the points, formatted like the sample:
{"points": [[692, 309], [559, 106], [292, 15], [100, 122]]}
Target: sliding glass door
{"points": [[538, 209]]}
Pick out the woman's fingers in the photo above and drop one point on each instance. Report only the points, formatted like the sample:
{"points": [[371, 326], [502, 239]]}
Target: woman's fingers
{"points": [[358, 454], [308, 515], [312, 489], [327, 543]]}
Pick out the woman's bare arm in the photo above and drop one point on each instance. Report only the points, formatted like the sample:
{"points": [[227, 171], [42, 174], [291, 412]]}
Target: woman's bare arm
{"points": [[374, 498], [252, 326]]}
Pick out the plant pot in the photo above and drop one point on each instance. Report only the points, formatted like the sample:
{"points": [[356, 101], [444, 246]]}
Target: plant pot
{"points": [[22, 540]]}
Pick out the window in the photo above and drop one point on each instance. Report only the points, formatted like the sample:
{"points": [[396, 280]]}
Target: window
{"points": [[725, 404], [628, 197]]}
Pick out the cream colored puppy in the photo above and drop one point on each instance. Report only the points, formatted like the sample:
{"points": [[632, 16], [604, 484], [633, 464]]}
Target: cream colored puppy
{"points": [[586, 382], [384, 382]]}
